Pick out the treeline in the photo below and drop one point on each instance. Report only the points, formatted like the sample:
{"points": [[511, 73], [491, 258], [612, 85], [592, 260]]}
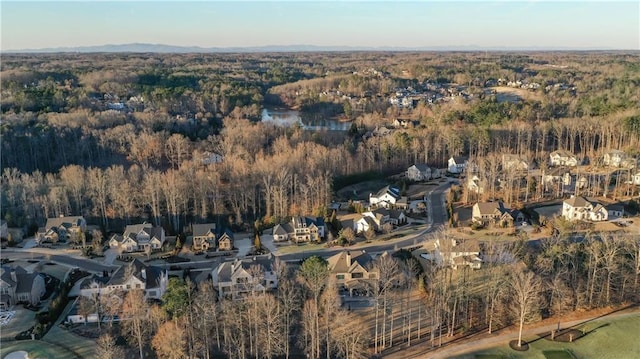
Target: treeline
{"points": [[518, 284]]}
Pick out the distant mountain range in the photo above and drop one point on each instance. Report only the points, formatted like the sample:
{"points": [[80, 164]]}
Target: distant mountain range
{"points": [[161, 48]]}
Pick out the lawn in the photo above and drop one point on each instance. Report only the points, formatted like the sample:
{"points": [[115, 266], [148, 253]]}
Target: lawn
{"points": [[37, 349], [605, 339]]}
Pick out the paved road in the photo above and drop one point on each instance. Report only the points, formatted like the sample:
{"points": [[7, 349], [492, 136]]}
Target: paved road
{"points": [[54, 255], [481, 341], [437, 218], [436, 210]]}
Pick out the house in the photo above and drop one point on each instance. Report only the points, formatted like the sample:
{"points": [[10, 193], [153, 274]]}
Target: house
{"points": [[494, 213], [138, 237], [210, 158], [19, 286], [242, 276], [62, 229], [617, 158], [615, 211], [514, 163], [385, 197], [457, 164], [300, 229], [204, 236], [476, 185], [403, 123], [635, 179], [352, 269], [554, 177], [419, 172], [225, 240], [134, 275], [453, 253], [563, 158], [579, 208], [364, 223]]}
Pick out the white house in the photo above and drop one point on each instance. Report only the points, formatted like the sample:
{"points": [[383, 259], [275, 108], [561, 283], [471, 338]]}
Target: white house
{"points": [[386, 197], [563, 158], [300, 229], [457, 164], [138, 237], [242, 276], [19, 286], [635, 179], [211, 158], [135, 275], [617, 158], [62, 229], [578, 208], [419, 172], [453, 253], [514, 163]]}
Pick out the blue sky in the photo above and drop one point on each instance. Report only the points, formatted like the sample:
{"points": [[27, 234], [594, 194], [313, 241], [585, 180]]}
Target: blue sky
{"points": [[532, 24]]}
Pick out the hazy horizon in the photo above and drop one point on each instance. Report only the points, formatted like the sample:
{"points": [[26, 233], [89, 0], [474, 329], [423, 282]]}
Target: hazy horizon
{"points": [[481, 24]]}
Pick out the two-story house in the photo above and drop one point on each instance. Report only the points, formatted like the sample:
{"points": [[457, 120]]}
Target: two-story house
{"points": [[579, 208], [512, 162], [386, 197], [457, 164], [203, 236], [134, 275], [138, 237], [419, 172], [62, 229], [19, 286], [300, 229], [617, 158], [495, 213], [240, 277], [452, 253], [352, 269], [563, 158]]}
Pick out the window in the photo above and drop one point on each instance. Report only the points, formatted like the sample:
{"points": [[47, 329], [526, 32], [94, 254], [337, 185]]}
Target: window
{"points": [[137, 286], [128, 286], [339, 276], [356, 275]]}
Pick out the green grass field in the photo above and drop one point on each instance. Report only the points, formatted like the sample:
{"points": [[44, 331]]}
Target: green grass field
{"points": [[37, 349], [607, 339]]}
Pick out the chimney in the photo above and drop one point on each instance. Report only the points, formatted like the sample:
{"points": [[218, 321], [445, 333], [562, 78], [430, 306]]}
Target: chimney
{"points": [[13, 275], [143, 273], [348, 259]]}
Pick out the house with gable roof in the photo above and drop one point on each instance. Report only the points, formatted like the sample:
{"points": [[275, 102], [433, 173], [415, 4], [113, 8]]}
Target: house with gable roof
{"points": [[203, 236], [138, 237], [578, 208], [134, 275], [300, 229], [453, 253], [19, 286], [386, 197], [352, 269], [457, 164], [563, 158], [61, 229], [419, 172], [239, 277], [495, 213]]}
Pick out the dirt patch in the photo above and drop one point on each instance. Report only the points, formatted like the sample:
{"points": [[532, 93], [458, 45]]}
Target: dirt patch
{"points": [[523, 347]]}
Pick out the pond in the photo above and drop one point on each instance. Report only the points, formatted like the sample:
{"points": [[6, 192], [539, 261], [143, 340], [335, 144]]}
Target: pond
{"points": [[288, 117]]}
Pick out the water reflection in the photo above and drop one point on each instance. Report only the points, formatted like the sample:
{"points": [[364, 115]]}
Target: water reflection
{"points": [[287, 117]]}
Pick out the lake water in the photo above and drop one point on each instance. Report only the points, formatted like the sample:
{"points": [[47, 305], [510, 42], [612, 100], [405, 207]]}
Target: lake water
{"points": [[286, 117]]}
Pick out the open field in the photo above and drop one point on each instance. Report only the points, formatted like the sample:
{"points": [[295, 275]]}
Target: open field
{"points": [[512, 94], [38, 349], [605, 339]]}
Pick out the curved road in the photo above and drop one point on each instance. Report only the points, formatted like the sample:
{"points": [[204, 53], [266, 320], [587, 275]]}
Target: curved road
{"points": [[437, 213]]}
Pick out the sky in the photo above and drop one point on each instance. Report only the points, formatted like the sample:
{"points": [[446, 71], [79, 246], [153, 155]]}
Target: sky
{"points": [[485, 24]]}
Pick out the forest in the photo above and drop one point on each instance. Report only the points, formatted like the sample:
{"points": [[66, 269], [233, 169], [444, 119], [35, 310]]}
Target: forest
{"points": [[120, 137], [126, 138]]}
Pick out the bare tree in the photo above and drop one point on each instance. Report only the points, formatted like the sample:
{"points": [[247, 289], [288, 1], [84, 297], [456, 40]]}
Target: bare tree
{"points": [[525, 287], [106, 348], [170, 342], [135, 325]]}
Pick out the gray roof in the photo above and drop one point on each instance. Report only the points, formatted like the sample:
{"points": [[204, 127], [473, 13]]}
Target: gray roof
{"points": [[153, 274], [388, 189], [226, 269], [200, 230], [338, 263], [577, 201], [67, 222], [487, 208], [422, 167]]}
